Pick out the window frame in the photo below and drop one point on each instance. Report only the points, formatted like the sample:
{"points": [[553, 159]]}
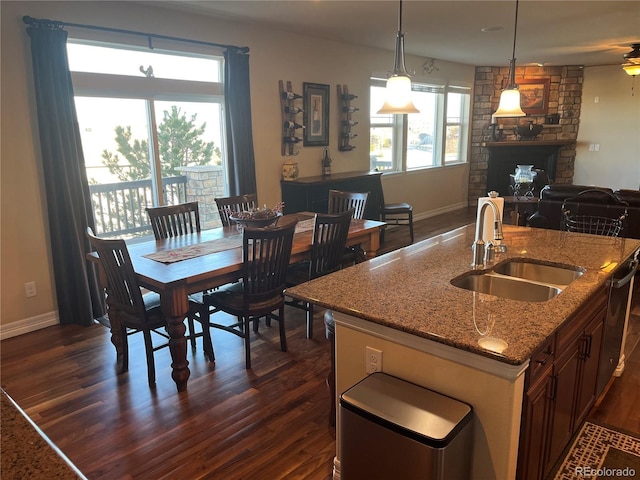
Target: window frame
{"points": [[150, 90], [400, 126]]}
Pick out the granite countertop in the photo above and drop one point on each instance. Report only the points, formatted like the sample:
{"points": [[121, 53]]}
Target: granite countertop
{"points": [[409, 289], [26, 452]]}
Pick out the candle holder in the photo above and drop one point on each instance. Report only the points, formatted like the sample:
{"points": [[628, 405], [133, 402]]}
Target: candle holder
{"points": [[497, 132]]}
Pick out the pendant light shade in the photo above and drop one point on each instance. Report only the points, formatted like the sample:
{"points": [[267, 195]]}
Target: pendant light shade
{"points": [[398, 94], [509, 105]]}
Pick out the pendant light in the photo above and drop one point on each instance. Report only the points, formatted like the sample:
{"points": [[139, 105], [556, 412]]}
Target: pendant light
{"points": [[398, 94], [510, 97]]}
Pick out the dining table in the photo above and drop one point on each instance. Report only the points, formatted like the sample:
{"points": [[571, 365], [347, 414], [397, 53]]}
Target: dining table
{"points": [[180, 266]]}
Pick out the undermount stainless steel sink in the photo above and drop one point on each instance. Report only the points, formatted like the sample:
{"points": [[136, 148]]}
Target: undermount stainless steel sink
{"points": [[520, 279], [506, 287], [550, 274]]}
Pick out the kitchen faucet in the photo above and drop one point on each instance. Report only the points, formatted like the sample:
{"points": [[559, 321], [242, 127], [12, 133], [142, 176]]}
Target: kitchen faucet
{"points": [[483, 253]]}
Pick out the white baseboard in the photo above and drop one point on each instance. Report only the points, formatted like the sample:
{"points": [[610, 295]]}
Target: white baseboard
{"points": [[27, 325], [440, 211]]}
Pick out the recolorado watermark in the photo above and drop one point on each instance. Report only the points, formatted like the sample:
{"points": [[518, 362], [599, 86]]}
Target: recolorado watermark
{"points": [[604, 472]]}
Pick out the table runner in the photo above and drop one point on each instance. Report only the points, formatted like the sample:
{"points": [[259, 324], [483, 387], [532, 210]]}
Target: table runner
{"points": [[212, 246], [198, 250]]}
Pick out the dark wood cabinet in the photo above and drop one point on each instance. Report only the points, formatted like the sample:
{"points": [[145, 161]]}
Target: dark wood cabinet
{"points": [[311, 194], [536, 418], [560, 388]]}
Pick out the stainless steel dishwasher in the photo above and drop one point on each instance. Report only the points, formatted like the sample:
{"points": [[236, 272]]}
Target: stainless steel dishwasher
{"points": [[621, 287]]}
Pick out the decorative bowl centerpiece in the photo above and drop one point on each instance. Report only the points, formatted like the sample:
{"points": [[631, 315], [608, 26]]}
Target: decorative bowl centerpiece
{"points": [[260, 217], [529, 131]]}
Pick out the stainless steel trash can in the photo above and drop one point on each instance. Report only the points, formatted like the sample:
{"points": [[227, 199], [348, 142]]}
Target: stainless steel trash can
{"points": [[393, 429]]}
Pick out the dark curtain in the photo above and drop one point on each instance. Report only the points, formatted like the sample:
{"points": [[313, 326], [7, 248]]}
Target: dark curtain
{"points": [[80, 299], [237, 97]]}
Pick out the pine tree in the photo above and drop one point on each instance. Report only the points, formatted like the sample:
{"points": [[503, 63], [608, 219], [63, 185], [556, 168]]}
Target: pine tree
{"points": [[179, 141]]}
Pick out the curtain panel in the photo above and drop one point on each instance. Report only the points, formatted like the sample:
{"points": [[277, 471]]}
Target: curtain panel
{"points": [[80, 298], [241, 166]]}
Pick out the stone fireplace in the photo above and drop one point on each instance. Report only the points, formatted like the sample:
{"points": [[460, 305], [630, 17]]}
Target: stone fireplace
{"points": [[505, 156], [553, 150]]}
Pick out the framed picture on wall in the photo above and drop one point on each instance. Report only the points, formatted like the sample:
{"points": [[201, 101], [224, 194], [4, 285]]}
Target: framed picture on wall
{"points": [[316, 114], [534, 95]]}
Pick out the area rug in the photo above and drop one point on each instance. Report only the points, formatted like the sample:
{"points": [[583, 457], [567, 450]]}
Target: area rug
{"points": [[601, 452]]}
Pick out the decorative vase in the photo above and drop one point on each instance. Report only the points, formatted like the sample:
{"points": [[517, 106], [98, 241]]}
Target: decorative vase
{"points": [[289, 170], [523, 181]]}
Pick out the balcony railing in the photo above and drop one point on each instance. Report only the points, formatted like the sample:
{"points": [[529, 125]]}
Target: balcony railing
{"points": [[119, 208]]}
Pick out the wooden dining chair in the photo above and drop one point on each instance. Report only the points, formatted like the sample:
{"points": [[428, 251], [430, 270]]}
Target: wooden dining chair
{"points": [[265, 256], [136, 312], [169, 221], [174, 220], [400, 214], [238, 203], [341, 201], [327, 250]]}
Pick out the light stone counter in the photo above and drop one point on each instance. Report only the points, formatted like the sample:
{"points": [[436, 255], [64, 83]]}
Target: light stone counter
{"points": [[410, 290]]}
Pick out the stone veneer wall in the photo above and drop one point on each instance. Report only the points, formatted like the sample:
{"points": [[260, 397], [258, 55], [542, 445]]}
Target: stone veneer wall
{"points": [[204, 184], [565, 97]]}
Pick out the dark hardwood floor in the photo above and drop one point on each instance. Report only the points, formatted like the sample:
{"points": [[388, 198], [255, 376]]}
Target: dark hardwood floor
{"points": [[267, 423]]}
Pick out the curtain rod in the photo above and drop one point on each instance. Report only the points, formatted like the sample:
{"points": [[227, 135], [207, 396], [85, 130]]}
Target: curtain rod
{"points": [[35, 22]]}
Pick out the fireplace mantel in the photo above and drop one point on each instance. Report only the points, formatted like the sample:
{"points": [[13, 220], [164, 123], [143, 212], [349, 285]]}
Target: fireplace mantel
{"points": [[504, 156], [526, 143]]}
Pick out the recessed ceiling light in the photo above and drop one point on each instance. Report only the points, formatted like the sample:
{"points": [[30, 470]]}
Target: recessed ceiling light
{"points": [[491, 29]]}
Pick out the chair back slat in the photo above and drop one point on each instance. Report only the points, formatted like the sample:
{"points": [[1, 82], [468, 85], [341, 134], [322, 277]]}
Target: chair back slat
{"points": [[340, 202], [238, 203], [329, 241], [122, 284], [266, 255], [174, 220]]}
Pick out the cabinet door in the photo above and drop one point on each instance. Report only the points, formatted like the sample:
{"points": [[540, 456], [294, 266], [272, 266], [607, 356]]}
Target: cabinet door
{"points": [[591, 347], [535, 427], [566, 381]]}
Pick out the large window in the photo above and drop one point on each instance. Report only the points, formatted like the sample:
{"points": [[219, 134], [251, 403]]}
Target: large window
{"points": [[143, 114], [434, 137]]}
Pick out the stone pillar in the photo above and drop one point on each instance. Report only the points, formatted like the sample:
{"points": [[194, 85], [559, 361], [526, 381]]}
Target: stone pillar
{"points": [[204, 184]]}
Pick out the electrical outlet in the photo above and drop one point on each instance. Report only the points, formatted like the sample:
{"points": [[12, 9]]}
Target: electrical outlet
{"points": [[373, 360], [30, 289]]}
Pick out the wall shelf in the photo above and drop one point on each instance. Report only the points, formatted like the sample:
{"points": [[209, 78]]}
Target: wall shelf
{"points": [[287, 104], [346, 122]]}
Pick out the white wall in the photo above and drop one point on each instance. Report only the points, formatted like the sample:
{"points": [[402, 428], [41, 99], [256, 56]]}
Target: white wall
{"points": [[610, 118], [275, 55]]}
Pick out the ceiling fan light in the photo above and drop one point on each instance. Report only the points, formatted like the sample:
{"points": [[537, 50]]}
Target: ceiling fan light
{"points": [[509, 105], [632, 69], [398, 96]]}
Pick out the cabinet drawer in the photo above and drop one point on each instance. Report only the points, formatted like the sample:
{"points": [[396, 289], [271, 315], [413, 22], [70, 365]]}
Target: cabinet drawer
{"points": [[541, 359]]}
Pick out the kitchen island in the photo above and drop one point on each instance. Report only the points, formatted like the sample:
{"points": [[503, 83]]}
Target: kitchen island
{"points": [[432, 333]]}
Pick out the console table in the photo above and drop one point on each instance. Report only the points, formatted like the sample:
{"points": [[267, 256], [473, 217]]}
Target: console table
{"points": [[311, 194]]}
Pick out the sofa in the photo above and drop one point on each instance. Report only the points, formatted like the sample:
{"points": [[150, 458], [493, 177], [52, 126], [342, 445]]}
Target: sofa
{"points": [[589, 201]]}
